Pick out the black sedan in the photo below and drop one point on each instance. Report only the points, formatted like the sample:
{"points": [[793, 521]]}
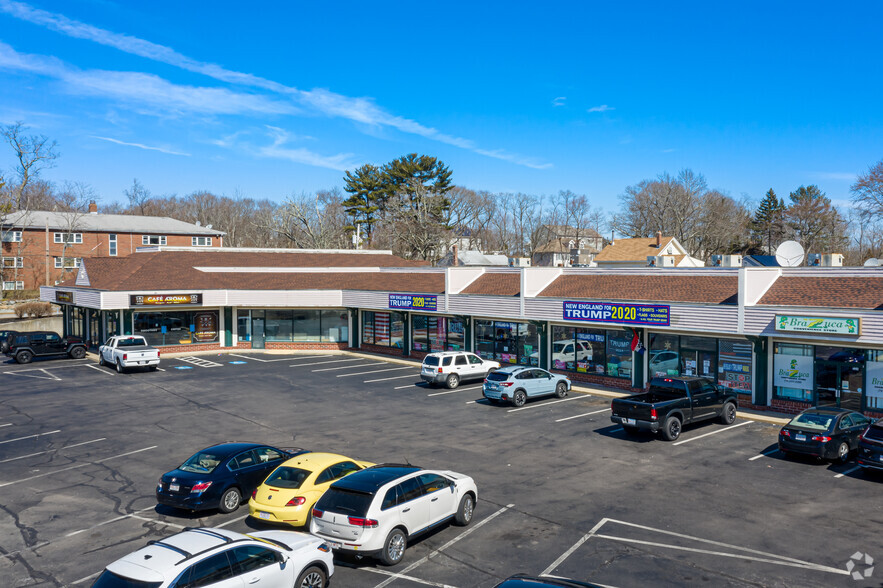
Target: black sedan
{"points": [[870, 448], [525, 581], [219, 476], [826, 433]]}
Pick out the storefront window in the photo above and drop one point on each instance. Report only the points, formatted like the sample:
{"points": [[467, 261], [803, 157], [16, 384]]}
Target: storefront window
{"points": [[698, 356], [734, 367], [334, 326], [619, 354], [579, 350], [307, 325], [456, 335], [665, 355], [177, 328], [874, 379], [77, 321], [112, 323], [507, 342], [278, 325], [564, 348], [793, 371], [420, 340], [397, 330], [484, 339], [368, 327], [437, 333], [383, 328], [243, 325]]}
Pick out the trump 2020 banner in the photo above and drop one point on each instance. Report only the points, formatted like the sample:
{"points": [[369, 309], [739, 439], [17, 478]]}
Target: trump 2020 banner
{"points": [[413, 302], [626, 314]]}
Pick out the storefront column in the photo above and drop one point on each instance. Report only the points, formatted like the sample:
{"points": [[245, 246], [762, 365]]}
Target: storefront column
{"points": [[127, 322], [543, 332], [355, 337], [228, 326], [406, 334], [467, 333], [638, 360], [65, 320], [760, 390]]}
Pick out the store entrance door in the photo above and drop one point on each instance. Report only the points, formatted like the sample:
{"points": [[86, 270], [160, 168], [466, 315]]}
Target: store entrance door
{"points": [[839, 384], [257, 329]]}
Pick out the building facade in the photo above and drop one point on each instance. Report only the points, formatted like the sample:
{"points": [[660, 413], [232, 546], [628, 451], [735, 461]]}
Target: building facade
{"points": [[783, 338]]}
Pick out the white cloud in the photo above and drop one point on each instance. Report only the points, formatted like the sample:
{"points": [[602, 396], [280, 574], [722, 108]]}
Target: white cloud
{"points": [[141, 146], [843, 176], [668, 150], [278, 150], [559, 101], [601, 108], [360, 110]]}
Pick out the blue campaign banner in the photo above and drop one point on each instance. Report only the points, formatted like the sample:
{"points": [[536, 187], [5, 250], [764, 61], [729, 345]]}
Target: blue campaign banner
{"points": [[413, 302], [626, 314]]}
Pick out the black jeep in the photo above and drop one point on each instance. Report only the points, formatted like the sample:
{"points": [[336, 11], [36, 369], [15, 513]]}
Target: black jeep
{"points": [[26, 346]]}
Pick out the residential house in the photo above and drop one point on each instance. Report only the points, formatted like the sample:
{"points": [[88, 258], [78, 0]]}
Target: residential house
{"points": [[664, 251], [564, 246]]}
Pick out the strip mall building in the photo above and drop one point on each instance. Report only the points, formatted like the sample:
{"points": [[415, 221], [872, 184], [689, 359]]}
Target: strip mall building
{"points": [[784, 338]]}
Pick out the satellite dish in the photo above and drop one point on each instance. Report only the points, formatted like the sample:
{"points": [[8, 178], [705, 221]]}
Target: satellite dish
{"points": [[790, 254], [872, 262]]}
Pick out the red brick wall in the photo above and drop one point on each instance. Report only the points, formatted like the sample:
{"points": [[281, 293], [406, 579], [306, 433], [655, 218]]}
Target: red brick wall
{"points": [[307, 345], [789, 406], [394, 351], [608, 382], [189, 348]]}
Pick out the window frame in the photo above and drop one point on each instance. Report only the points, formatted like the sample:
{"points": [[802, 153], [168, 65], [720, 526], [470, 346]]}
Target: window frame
{"points": [[16, 285], [17, 262], [112, 244], [160, 240], [77, 262], [60, 238], [195, 241], [12, 236]]}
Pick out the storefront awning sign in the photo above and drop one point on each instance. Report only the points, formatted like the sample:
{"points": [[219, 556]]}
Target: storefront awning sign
{"points": [[625, 314], [413, 302], [64, 296], [164, 299], [818, 324]]}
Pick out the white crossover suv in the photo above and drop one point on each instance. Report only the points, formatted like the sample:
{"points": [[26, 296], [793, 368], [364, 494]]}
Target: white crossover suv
{"points": [[376, 511], [452, 367], [222, 558]]}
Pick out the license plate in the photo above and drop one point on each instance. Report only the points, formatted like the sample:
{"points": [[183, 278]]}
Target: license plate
{"points": [[264, 515], [881, 457], [334, 544], [174, 487], [628, 421], [800, 437]]}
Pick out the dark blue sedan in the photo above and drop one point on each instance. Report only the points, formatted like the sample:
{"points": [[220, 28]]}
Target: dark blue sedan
{"points": [[219, 476]]}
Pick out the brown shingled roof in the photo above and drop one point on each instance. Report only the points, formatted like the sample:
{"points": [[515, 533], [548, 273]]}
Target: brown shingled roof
{"points": [[632, 249], [495, 284], [667, 288], [846, 292]]}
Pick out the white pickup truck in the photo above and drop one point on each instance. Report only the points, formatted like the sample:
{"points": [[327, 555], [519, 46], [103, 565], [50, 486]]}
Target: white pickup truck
{"points": [[128, 351]]}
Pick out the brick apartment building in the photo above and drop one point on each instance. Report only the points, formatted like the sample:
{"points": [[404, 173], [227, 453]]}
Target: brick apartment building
{"points": [[43, 247]]}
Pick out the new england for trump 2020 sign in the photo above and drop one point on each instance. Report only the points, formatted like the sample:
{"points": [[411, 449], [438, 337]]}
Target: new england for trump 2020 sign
{"points": [[413, 302], [626, 314]]}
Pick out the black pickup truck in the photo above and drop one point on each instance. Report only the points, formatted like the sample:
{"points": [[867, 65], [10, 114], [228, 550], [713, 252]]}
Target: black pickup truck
{"points": [[26, 346], [673, 402]]}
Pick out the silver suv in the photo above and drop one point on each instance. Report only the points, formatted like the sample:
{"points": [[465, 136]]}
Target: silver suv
{"points": [[453, 367]]}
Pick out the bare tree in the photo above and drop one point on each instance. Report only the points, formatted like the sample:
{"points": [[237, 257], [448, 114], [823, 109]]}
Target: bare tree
{"points": [[138, 197], [33, 153], [867, 191], [309, 221], [73, 200]]}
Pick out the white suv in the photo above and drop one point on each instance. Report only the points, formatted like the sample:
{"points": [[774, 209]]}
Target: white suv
{"points": [[377, 510], [222, 558], [452, 367]]}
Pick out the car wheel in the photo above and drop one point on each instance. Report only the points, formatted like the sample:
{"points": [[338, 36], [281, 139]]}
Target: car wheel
{"points": [[519, 398], [561, 390], [629, 430], [393, 548], [230, 500], [313, 577], [101, 361], [465, 511], [24, 357], [728, 415], [452, 381], [843, 452], [671, 430], [78, 352], [120, 368]]}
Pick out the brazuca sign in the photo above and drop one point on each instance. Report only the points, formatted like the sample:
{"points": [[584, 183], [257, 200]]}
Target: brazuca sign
{"points": [[818, 324]]}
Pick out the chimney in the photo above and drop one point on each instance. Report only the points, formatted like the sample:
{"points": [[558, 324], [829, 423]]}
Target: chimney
{"points": [[454, 252], [93, 208], [658, 239]]}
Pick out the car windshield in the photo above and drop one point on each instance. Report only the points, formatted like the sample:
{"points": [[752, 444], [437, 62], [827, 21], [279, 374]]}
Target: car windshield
{"points": [[814, 421], [345, 501], [132, 342], [108, 579], [287, 477], [430, 360], [202, 463], [875, 432], [498, 376]]}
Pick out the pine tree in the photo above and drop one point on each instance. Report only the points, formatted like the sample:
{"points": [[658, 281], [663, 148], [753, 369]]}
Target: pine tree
{"points": [[769, 219], [367, 188]]}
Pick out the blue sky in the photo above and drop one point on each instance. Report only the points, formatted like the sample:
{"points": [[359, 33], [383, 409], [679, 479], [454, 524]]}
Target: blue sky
{"points": [[280, 97]]}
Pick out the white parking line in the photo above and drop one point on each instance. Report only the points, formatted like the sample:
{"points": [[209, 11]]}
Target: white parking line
{"points": [[80, 465], [252, 358], [160, 369], [31, 436], [392, 378], [230, 522], [29, 548], [51, 450], [86, 579], [6, 425], [424, 559], [742, 424], [411, 386], [53, 376], [330, 361], [107, 522], [770, 452], [199, 361], [581, 397], [847, 472], [395, 369], [159, 522], [346, 367], [455, 391], [401, 577], [102, 370], [574, 547], [585, 414]]}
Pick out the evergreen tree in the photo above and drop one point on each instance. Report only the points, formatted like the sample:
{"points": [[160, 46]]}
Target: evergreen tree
{"points": [[367, 188], [769, 219]]}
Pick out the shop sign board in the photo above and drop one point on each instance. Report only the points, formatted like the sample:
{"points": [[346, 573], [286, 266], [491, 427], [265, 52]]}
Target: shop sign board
{"points": [[64, 296], [413, 302], [818, 324], [874, 373], [626, 314], [164, 299], [793, 371], [205, 327]]}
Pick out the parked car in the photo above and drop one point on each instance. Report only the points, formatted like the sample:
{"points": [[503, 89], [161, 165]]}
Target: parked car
{"points": [[128, 351], [219, 476], [567, 350], [453, 367], [292, 489], [24, 347], [4, 339], [823, 432], [870, 447], [517, 384], [378, 510], [671, 403], [218, 557], [663, 363], [526, 581]]}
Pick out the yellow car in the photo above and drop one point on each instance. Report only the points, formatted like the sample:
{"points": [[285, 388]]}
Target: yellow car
{"points": [[290, 491]]}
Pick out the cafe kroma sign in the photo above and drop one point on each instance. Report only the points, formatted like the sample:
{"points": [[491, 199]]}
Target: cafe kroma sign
{"points": [[818, 324], [164, 299]]}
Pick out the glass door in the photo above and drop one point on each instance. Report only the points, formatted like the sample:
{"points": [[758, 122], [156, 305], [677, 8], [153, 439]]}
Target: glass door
{"points": [[827, 387], [257, 329]]}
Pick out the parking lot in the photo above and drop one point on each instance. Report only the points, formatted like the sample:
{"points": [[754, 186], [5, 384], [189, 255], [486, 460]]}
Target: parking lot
{"points": [[561, 489]]}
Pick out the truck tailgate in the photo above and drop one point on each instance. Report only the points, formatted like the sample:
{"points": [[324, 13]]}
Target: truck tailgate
{"points": [[630, 409]]}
